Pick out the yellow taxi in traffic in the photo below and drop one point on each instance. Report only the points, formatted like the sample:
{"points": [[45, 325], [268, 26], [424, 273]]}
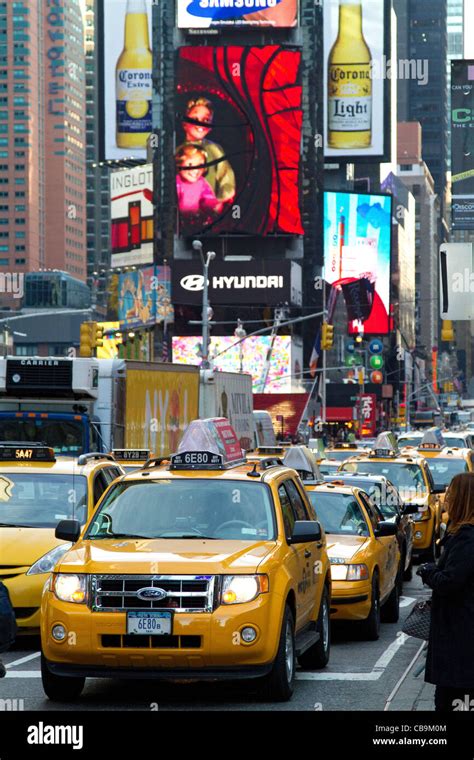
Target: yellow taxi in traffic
{"points": [[37, 491], [408, 470], [210, 567], [130, 459]]}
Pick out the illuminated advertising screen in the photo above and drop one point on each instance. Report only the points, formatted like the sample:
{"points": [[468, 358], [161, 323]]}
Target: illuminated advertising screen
{"points": [[127, 78], [462, 144], [357, 77], [238, 138], [132, 216], [209, 14], [248, 356], [144, 297], [357, 253]]}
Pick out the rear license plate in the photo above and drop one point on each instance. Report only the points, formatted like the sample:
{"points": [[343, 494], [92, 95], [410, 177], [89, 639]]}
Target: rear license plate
{"points": [[153, 623]]}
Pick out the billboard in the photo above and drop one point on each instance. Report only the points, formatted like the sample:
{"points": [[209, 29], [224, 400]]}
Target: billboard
{"points": [[131, 214], [202, 14], [248, 356], [126, 71], [265, 282], [462, 144], [357, 255], [238, 137], [357, 79], [456, 281], [144, 297]]}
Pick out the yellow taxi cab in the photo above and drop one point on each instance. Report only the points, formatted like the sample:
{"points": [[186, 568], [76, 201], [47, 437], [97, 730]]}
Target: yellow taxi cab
{"points": [[130, 459], [37, 491], [409, 472], [363, 551], [342, 451], [210, 567]]}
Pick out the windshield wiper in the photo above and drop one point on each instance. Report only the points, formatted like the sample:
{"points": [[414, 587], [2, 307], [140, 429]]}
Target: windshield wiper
{"points": [[119, 535], [187, 535], [14, 525]]}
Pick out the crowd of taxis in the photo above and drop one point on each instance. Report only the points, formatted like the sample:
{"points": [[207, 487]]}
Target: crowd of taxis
{"points": [[212, 564]]}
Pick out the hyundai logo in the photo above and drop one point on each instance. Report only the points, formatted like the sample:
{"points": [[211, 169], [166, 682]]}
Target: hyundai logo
{"points": [[193, 282], [155, 594]]}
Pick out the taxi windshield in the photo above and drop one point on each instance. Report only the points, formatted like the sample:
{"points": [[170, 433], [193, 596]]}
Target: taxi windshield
{"points": [[407, 478], [64, 436], [327, 468], [407, 440], [215, 509], [443, 470], [41, 500], [453, 440], [340, 455], [339, 513]]}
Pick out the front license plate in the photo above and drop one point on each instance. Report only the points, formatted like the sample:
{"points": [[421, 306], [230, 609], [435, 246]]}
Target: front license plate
{"points": [[151, 623]]}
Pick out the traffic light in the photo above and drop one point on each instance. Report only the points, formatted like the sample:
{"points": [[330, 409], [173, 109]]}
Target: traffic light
{"points": [[447, 332], [86, 339], [327, 336], [97, 335]]}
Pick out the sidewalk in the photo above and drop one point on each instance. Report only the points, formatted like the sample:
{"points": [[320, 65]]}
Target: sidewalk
{"points": [[414, 694]]}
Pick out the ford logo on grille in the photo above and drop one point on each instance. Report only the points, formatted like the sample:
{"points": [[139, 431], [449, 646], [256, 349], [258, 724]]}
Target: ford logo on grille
{"points": [[154, 594]]}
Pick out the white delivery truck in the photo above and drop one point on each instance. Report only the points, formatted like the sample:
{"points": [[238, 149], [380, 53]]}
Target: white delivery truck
{"points": [[229, 394]]}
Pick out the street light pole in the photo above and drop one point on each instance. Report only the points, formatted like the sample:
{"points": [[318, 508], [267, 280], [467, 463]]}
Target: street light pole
{"points": [[206, 260]]}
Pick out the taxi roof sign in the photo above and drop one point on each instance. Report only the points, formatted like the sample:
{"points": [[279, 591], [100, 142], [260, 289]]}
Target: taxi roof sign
{"points": [[432, 439], [385, 445], [21, 452], [208, 444], [302, 459], [132, 455]]}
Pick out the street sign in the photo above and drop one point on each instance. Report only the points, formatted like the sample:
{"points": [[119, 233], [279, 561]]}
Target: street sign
{"points": [[376, 346]]}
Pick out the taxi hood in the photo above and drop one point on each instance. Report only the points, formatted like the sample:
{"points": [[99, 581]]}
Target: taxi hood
{"points": [[21, 547], [345, 547], [160, 556]]}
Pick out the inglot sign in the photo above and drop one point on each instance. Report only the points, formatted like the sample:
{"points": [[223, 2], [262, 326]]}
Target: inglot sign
{"points": [[251, 282]]}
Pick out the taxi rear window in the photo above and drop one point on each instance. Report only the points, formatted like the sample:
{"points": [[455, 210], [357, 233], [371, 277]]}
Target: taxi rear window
{"points": [[339, 513], [215, 509], [41, 500], [443, 470]]}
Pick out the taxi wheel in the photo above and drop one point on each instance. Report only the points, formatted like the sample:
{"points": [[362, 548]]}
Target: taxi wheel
{"points": [[391, 608], [60, 688], [371, 625], [279, 684], [317, 656]]}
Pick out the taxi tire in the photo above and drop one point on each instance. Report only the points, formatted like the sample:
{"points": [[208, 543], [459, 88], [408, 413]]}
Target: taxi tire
{"points": [[317, 656], [276, 686], [371, 625], [391, 609], [60, 688]]}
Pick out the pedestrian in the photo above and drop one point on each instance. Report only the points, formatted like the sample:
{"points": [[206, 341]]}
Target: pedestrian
{"points": [[7, 624], [450, 663]]}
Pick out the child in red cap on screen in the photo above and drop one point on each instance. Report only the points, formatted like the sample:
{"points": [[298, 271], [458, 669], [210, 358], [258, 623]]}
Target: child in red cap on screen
{"points": [[195, 195]]}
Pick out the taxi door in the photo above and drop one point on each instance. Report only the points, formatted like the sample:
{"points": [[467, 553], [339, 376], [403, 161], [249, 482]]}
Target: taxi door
{"points": [[387, 549], [305, 556]]}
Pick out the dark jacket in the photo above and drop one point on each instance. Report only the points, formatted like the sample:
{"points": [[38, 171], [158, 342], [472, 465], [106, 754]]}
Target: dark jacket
{"points": [[450, 658]]}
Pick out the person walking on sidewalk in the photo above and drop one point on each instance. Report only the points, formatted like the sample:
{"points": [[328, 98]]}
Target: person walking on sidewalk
{"points": [[450, 662]]}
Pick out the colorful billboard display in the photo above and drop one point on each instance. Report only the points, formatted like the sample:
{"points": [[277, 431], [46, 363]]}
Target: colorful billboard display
{"points": [[126, 30], [248, 356], [238, 137], [210, 14], [131, 214], [357, 75], [144, 297], [462, 144], [357, 255]]}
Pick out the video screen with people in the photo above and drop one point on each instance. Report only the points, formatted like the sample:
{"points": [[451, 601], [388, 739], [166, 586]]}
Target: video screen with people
{"points": [[238, 138]]}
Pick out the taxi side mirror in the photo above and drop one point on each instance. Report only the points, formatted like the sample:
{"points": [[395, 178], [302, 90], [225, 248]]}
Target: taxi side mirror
{"points": [[385, 528], [438, 489], [305, 531], [68, 530]]}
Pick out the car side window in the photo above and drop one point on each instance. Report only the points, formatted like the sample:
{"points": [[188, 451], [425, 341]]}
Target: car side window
{"points": [[297, 502], [111, 473], [100, 484], [374, 513], [287, 511]]}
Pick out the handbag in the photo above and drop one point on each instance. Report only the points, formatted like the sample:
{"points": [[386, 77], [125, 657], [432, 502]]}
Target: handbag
{"points": [[418, 622], [7, 620]]}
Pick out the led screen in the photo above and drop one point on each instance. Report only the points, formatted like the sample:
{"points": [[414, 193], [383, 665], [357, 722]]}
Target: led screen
{"points": [[249, 356], [203, 14], [238, 138], [357, 248]]}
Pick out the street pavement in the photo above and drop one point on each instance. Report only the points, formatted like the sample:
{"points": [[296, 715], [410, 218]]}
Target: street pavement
{"points": [[361, 675]]}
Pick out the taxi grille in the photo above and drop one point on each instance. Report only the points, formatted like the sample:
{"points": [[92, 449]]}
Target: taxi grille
{"points": [[151, 642], [184, 593]]}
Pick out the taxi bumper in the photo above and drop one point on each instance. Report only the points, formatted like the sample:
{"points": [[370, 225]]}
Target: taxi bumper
{"points": [[25, 594], [97, 643], [350, 601], [422, 535]]}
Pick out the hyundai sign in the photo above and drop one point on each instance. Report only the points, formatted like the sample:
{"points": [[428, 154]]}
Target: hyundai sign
{"points": [[268, 283]]}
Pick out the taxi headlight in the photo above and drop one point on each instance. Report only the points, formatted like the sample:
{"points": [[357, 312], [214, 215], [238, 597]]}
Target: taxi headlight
{"points": [[348, 572], [237, 589], [48, 561], [70, 588]]}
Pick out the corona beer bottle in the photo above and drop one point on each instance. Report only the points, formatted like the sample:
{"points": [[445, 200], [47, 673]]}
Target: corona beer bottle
{"points": [[134, 80], [350, 82]]}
